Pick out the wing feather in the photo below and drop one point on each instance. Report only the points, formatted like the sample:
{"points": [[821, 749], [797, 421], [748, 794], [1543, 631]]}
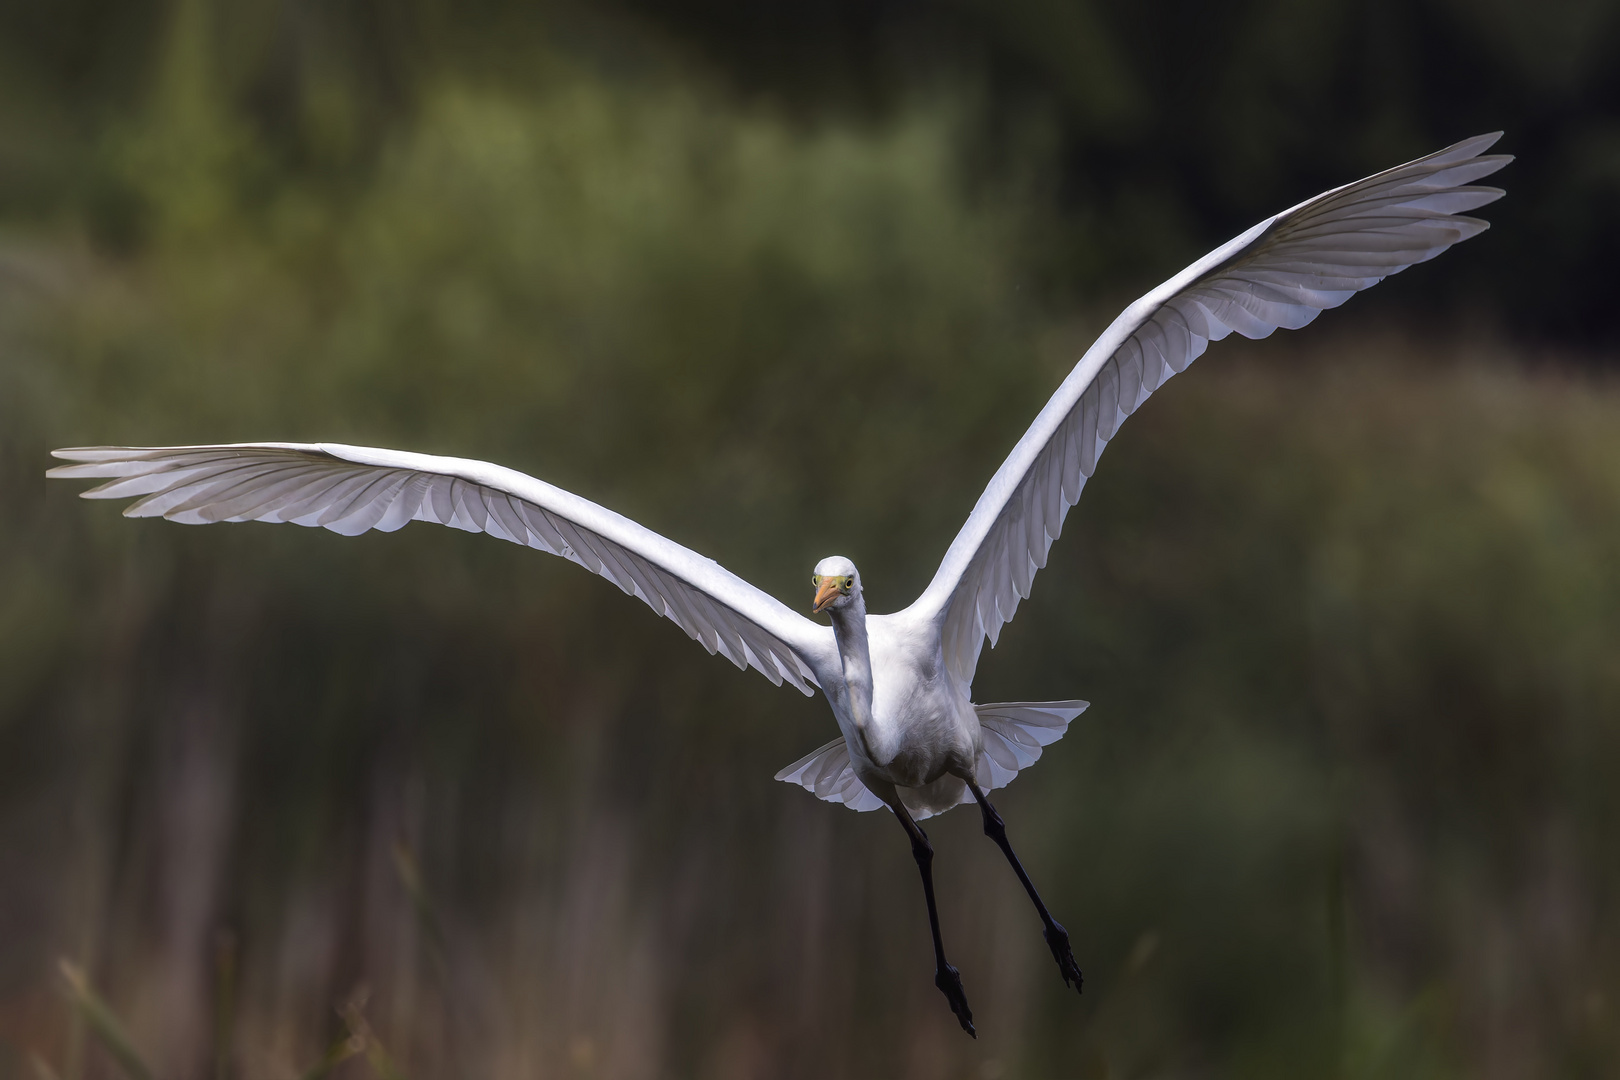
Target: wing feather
{"points": [[353, 489], [1283, 273]]}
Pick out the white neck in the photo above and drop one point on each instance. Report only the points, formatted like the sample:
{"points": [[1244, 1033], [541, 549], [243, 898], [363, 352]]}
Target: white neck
{"points": [[849, 630]]}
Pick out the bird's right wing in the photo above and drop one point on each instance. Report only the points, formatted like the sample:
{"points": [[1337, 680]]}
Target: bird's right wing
{"points": [[1281, 273], [350, 489]]}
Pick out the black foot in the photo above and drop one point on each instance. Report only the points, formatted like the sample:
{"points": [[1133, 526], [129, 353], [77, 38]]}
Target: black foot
{"points": [[949, 981], [1057, 939]]}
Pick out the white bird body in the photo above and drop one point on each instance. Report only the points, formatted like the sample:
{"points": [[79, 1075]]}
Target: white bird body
{"points": [[900, 685], [907, 723]]}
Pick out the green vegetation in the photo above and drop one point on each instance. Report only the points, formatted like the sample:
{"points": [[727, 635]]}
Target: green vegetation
{"points": [[1345, 602]]}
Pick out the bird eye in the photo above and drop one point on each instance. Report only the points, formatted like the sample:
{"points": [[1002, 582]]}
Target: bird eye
{"points": [[815, 581], [849, 583]]}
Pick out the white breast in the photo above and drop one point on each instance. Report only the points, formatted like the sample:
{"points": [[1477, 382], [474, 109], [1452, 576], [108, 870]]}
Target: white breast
{"points": [[923, 722]]}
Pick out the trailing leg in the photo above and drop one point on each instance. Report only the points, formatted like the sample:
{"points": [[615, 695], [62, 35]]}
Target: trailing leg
{"points": [[946, 977], [1057, 938]]}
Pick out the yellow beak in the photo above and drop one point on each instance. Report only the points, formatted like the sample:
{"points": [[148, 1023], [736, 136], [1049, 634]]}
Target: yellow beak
{"points": [[825, 593]]}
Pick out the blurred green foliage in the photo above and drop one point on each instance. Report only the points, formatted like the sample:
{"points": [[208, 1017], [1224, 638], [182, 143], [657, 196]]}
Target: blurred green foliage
{"points": [[1346, 603], [1165, 126], [1174, 124]]}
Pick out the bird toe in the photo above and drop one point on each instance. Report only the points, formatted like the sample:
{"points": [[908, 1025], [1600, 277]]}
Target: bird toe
{"points": [[949, 981], [1057, 939]]}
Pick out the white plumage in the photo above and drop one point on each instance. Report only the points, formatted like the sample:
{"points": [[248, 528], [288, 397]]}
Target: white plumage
{"points": [[352, 489], [1281, 273], [899, 685], [1013, 734]]}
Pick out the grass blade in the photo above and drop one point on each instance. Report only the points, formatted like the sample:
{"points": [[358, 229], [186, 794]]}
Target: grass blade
{"points": [[340, 1051], [103, 1022], [353, 1013]]}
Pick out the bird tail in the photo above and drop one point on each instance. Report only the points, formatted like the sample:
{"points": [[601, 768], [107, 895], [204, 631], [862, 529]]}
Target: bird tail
{"points": [[1014, 734], [827, 774]]}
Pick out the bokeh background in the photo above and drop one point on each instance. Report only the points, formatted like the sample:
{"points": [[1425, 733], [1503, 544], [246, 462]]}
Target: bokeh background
{"points": [[783, 280]]}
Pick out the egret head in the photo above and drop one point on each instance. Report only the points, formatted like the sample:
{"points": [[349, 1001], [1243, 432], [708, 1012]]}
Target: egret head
{"points": [[837, 583]]}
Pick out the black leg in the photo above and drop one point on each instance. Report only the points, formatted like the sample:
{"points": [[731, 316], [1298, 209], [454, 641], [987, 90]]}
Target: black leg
{"points": [[1057, 938], [946, 977]]}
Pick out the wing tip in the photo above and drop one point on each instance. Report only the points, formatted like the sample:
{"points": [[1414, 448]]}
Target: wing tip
{"points": [[83, 457], [1471, 147], [92, 453]]}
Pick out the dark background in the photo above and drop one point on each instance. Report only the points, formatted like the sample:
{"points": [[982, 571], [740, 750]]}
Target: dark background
{"points": [[782, 280]]}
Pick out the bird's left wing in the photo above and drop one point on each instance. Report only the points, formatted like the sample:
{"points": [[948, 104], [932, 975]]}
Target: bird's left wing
{"points": [[1281, 273], [350, 489]]}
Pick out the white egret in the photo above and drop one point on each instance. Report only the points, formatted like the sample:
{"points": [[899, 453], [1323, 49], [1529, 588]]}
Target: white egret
{"points": [[900, 686]]}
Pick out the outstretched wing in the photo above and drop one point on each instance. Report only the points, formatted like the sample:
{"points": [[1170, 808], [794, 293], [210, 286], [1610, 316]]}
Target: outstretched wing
{"points": [[1283, 272], [350, 489]]}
